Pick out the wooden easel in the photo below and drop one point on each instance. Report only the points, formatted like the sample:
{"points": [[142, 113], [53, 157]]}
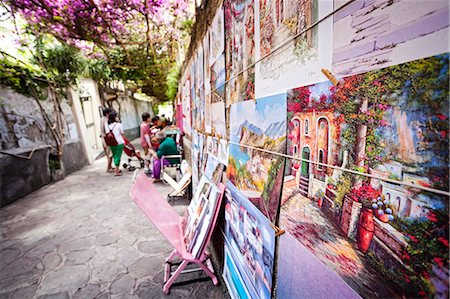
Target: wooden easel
{"points": [[169, 223]]}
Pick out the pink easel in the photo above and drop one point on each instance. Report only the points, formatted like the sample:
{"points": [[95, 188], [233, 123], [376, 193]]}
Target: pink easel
{"points": [[169, 223]]}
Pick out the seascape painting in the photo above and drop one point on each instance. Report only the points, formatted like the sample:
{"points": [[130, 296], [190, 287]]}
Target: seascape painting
{"points": [[258, 174]]}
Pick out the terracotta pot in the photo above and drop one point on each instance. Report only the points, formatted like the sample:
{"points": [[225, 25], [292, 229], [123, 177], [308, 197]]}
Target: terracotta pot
{"points": [[383, 218], [319, 202], [365, 230]]}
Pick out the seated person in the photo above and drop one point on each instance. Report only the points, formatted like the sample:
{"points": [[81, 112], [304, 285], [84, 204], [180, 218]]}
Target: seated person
{"points": [[167, 147]]}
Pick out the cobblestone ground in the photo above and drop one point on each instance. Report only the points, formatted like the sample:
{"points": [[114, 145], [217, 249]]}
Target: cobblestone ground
{"points": [[83, 237], [302, 218]]}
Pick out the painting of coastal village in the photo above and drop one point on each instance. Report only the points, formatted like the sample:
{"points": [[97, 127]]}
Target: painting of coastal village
{"points": [[239, 50], [386, 230], [257, 174]]}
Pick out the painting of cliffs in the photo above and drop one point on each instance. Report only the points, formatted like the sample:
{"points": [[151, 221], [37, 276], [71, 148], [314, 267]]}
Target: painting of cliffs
{"points": [[258, 174]]}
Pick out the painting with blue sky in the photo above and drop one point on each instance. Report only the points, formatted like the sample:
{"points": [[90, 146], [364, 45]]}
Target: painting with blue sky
{"points": [[256, 173]]}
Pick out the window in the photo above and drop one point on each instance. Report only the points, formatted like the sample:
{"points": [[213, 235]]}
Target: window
{"points": [[295, 150], [320, 167], [306, 127], [296, 124]]}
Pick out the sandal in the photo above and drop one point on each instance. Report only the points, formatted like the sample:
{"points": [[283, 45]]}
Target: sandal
{"points": [[118, 174]]}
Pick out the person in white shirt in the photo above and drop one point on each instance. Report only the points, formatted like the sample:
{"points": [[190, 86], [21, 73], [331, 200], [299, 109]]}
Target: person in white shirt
{"points": [[116, 128]]}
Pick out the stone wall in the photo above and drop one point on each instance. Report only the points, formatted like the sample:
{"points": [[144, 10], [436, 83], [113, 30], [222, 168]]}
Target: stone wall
{"points": [[27, 143]]}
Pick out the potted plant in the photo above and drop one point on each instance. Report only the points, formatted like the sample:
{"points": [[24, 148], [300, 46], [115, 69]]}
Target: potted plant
{"points": [[382, 209], [365, 195]]}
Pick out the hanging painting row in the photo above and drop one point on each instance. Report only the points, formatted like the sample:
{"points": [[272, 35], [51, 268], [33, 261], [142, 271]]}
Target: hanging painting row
{"points": [[363, 197]]}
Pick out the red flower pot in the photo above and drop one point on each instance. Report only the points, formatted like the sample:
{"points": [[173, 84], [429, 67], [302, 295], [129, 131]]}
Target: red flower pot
{"points": [[319, 202], [383, 218], [365, 230]]}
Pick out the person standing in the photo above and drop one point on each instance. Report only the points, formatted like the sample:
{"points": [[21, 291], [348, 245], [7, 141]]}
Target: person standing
{"points": [[116, 128], [106, 149], [145, 138]]}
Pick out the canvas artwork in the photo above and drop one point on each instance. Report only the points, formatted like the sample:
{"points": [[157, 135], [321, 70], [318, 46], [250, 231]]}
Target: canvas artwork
{"points": [[200, 92], [195, 158], [217, 36], [213, 169], [223, 151], [391, 123], [199, 215], [207, 82], [186, 106], [218, 80], [206, 224], [215, 147], [257, 174], [299, 61], [249, 247], [233, 279], [193, 94], [372, 35], [218, 119], [240, 50]]}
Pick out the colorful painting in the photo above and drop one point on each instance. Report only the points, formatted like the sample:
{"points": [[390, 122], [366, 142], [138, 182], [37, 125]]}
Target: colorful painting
{"points": [[256, 173], [249, 246], [193, 92], [199, 215], [223, 151], [374, 232], [376, 34], [300, 60], [217, 36], [207, 82], [239, 50], [213, 169], [233, 279], [218, 80], [218, 119], [186, 104]]}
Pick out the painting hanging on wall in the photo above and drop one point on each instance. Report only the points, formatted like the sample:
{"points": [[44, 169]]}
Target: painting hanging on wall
{"points": [[223, 151], [258, 174], [249, 247], [186, 103], [218, 119], [217, 36], [393, 124], [372, 35], [300, 60], [207, 83], [239, 50], [200, 93], [218, 80]]}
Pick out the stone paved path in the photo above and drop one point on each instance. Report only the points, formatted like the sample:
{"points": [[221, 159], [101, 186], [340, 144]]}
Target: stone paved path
{"points": [[303, 219], [83, 237]]}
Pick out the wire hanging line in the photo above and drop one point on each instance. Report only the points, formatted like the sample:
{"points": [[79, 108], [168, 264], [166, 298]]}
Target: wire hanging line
{"points": [[345, 169], [330, 14], [282, 45]]}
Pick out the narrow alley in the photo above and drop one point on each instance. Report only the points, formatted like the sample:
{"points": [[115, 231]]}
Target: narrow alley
{"points": [[84, 237]]}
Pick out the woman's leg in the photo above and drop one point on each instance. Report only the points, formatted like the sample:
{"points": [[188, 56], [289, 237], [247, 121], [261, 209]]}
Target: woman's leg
{"points": [[157, 167], [117, 153]]}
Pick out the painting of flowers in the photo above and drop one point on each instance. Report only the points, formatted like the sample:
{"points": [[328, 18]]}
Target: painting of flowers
{"points": [[386, 218]]}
